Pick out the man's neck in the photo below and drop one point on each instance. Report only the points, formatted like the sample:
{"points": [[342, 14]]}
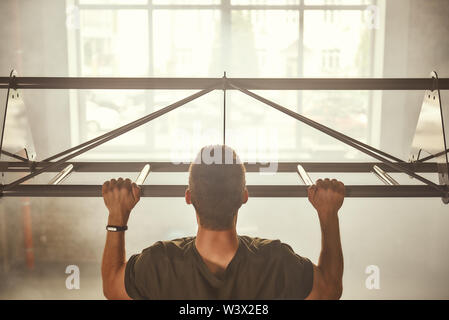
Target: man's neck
{"points": [[217, 248]]}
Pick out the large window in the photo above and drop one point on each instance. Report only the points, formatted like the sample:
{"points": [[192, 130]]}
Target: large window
{"points": [[245, 38]]}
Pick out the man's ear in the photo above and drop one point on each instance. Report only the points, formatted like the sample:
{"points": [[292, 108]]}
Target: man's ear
{"points": [[187, 196], [245, 196]]}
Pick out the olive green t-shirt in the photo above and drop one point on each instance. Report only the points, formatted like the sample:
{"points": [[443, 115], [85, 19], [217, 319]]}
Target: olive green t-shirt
{"points": [[260, 269]]}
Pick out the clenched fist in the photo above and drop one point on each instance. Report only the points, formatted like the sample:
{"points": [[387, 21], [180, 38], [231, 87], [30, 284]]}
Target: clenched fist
{"points": [[327, 196], [120, 196]]}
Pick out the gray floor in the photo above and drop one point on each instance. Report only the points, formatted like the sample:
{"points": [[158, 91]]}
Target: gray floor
{"points": [[50, 283]]}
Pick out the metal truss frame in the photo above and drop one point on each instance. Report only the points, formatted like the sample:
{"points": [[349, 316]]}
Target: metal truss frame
{"points": [[60, 161]]}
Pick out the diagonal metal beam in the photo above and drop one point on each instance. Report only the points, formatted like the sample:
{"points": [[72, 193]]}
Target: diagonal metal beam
{"points": [[432, 156], [113, 134], [15, 156], [339, 136]]}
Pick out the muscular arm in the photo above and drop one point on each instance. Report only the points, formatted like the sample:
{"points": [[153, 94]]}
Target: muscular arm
{"points": [[113, 266], [120, 197], [327, 197]]}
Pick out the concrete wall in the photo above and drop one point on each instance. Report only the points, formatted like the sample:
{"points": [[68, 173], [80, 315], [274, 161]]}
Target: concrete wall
{"points": [[35, 44], [416, 43]]}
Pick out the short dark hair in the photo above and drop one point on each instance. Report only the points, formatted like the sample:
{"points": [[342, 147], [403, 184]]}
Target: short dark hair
{"points": [[217, 184]]}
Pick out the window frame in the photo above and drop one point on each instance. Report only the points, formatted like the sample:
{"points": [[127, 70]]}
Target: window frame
{"points": [[226, 8]]}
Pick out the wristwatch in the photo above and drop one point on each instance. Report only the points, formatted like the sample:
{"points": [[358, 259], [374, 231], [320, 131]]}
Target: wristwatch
{"points": [[116, 228]]}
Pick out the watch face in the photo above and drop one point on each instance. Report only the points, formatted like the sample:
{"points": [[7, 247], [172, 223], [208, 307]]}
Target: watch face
{"points": [[111, 228]]}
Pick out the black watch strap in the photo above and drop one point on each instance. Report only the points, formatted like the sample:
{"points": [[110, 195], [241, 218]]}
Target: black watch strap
{"points": [[116, 228]]}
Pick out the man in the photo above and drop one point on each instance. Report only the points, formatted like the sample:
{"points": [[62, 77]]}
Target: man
{"points": [[218, 263]]}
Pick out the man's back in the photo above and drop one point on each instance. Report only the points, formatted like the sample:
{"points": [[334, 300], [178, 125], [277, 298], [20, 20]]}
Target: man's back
{"points": [[260, 269], [217, 263]]}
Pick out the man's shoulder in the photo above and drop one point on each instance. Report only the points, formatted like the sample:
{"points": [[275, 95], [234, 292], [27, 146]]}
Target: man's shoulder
{"points": [[269, 251], [262, 245], [172, 248]]}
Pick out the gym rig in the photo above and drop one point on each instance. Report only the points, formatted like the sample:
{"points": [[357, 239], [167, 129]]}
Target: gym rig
{"points": [[386, 163]]}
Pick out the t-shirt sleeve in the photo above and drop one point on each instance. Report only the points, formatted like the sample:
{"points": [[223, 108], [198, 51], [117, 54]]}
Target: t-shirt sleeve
{"points": [[131, 276], [141, 274], [298, 274]]}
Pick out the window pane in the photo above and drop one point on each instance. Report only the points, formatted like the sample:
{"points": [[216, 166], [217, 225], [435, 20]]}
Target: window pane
{"points": [[114, 43], [257, 49], [187, 43], [188, 2], [337, 43], [262, 2], [178, 135], [337, 2], [258, 131], [106, 110], [113, 1], [344, 111]]}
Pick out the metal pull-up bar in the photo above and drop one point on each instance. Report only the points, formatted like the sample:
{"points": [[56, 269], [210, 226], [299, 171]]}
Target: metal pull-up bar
{"points": [[255, 191], [282, 167]]}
